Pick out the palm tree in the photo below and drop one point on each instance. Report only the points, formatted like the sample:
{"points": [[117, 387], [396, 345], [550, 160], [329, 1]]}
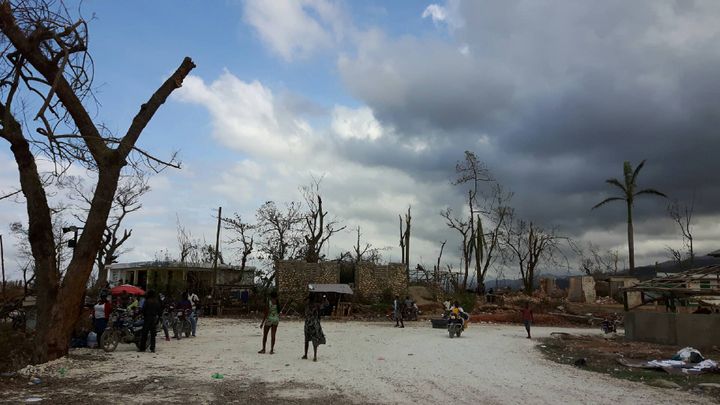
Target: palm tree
{"points": [[628, 195]]}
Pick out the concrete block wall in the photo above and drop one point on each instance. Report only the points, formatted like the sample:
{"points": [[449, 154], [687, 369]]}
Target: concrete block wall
{"points": [[582, 289], [293, 277], [372, 281], [700, 331]]}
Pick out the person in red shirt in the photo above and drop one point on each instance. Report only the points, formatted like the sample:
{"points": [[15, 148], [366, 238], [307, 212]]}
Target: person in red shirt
{"points": [[108, 306], [527, 316]]}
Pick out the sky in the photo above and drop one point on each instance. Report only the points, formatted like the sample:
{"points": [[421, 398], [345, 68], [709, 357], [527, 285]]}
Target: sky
{"points": [[383, 98]]}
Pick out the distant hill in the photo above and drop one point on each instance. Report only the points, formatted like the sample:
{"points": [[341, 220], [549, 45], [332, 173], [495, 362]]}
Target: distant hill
{"points": [[671, 266]]}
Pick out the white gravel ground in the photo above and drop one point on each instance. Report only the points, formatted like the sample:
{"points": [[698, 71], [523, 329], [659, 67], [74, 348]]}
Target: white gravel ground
{"points": [[375, 362]]}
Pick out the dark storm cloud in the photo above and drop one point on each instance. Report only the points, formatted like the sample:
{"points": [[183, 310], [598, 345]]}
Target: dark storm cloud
{"points": [[564, 92]]}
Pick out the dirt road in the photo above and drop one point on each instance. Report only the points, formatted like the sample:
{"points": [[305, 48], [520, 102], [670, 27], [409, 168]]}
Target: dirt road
{"points": [[362, 363]]}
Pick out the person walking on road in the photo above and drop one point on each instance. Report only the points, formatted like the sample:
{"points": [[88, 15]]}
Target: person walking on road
{"points": [[313, 329], [270, 322], [151, 310], [528, 319], [398, 312]]}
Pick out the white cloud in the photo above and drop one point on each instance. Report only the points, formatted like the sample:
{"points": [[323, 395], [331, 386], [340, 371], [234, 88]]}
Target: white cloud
{"points": [[295, 28], [357, 123], [247, 117], [436, 12], [447, 14]]}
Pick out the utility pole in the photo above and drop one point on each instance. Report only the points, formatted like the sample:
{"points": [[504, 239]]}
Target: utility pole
{"points": [[2, 264], [217, 252]]}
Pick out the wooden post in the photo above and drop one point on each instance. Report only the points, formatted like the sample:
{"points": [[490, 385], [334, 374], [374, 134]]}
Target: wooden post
{"points": [[625, 300], [2, 264], [217, 248]]}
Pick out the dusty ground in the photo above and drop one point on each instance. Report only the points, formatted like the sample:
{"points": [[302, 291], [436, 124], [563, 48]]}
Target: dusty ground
{"points": [[362, 363]]}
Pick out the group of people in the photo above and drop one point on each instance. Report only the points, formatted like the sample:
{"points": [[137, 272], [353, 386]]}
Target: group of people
{"points": [[402, 309], [313, 329], [149, 308]]}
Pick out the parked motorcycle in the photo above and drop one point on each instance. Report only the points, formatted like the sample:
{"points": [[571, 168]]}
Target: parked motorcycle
{"points": [[122, 328], [609, 325]]}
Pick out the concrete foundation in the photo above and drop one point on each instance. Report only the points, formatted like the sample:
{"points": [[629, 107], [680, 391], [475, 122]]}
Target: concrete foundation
{"points": [[700, 331]]}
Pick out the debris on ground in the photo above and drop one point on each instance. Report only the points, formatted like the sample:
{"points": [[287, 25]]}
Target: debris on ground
{"points": [[653, 364]]}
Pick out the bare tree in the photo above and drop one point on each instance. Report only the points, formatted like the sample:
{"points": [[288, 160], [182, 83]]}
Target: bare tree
{"points": [[531, 245], [487, 245], [244, 237], [683, 216], [436, 268], [188, 247], [126, 201], [365, 252], [405, 241], [318, 229], [464, 227], [45, 55], [280, 238]]}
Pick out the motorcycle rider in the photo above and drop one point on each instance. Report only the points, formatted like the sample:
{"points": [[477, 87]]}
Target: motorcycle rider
{"points": [[150, 312], [457, 310]]}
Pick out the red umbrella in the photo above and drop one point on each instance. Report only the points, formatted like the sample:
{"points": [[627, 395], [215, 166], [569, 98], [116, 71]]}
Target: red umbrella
{"points": [[130, 289]]}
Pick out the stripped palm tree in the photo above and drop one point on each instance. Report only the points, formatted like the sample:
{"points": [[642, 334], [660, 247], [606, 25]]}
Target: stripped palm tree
{"points": [[628, 188]]}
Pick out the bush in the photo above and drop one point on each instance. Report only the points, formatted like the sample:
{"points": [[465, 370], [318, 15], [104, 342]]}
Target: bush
{"points": [[466, 300]]}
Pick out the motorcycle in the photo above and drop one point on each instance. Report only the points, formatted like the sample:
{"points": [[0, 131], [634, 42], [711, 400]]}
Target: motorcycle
{"points": [[455, 324], [122, 328], [182, 323]]}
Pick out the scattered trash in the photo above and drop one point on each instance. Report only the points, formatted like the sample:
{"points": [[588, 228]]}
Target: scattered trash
{"points": [[543, 346], [33, 399], [410, 354], [35, 381], [381, 358], [689, 354], [156, 381], [62, 371], [218, 376]]}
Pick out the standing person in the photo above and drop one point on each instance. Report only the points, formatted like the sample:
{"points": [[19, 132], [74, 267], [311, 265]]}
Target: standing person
{"points": [[313, 329], [527, 316], [195, 304], [150, 312], [100, 319], [397, 312], [270, 322]]}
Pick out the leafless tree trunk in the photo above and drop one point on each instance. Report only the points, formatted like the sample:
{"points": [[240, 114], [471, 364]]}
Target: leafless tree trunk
{"points": [[318, 229], [279, 230], [127, 200], [464, 227], [187, 245], [531, 245], [45, 54], [244, 236], [405, 241], [683, 216]]}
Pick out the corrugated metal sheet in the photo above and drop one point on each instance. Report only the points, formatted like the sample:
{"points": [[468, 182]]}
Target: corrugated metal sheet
{"points": [[331, 288]]}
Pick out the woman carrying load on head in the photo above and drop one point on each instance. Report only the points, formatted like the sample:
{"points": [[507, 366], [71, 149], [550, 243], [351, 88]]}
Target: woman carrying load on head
{"points": [[313, 329], [270, 322]]}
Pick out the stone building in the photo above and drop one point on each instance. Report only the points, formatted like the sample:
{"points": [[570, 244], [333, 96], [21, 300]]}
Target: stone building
{"points": [[170, 277], [369, 282]]}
